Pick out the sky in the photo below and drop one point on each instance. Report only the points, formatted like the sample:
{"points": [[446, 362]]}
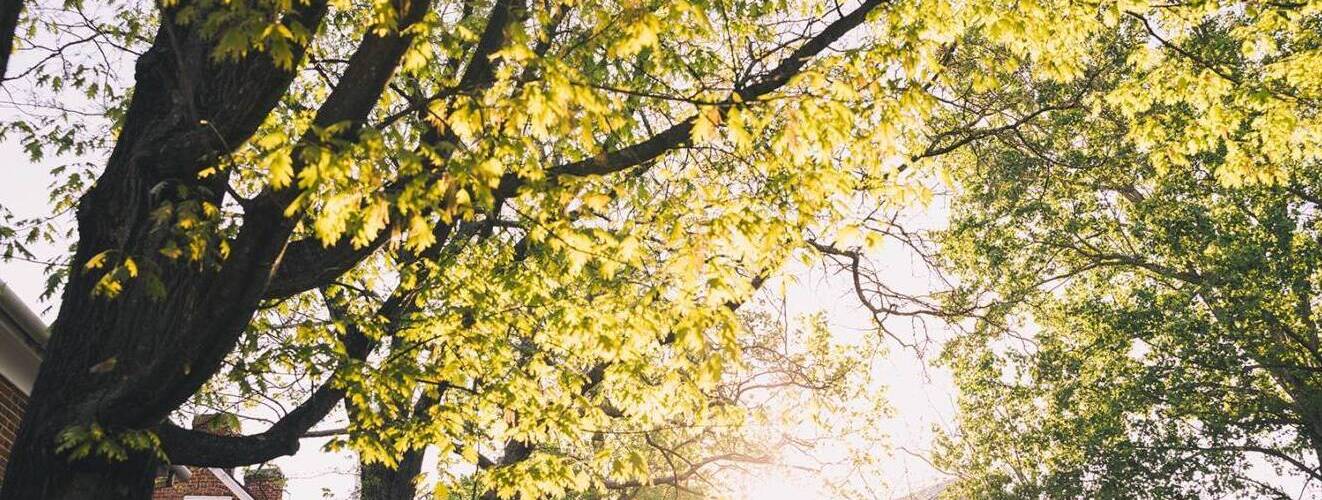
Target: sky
{"points": [[921, 396]]}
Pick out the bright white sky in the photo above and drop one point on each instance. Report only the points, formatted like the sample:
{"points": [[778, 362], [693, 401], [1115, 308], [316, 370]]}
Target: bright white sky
{"points": [[921, 397]]}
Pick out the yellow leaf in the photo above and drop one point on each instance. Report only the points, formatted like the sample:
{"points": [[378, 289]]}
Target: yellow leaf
{"points": [[96, 261], [279, 167], [490, 168], [596, 201], [873, 241], [461, 198], [847, 236], [470, 454], [273, 140], [420, 233], [738, 130], [704, 125]]}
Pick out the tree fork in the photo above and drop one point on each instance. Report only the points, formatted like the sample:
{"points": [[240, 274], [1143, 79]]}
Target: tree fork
{"points": [[123, 364]]}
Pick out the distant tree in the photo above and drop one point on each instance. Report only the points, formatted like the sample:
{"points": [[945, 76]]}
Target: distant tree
{"points": [[1142, 272], [792, 389]]}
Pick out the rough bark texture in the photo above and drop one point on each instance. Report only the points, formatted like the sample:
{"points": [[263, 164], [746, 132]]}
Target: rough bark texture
{"points": [[380, 482], [124, 363], [9, 10]]}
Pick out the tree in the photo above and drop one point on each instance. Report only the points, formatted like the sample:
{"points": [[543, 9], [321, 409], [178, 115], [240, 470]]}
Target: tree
{"points": [[775, 380], [271, 149], [238, 180], [1142, 264]]}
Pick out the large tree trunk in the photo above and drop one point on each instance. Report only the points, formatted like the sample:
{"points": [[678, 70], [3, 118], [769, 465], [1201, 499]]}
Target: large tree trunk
{"points": [[379, 482], [515, 451], [123, 363]]}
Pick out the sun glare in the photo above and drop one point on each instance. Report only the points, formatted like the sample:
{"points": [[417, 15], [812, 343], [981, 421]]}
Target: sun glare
{"points": [[778, 487]]}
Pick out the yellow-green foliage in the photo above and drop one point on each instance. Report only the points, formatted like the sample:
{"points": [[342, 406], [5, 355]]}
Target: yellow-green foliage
{"points": [[560, 262]]}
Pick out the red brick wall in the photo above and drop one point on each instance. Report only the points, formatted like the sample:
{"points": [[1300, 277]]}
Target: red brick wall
{"points": [[266, 489], [12, 403], [202, 483]]}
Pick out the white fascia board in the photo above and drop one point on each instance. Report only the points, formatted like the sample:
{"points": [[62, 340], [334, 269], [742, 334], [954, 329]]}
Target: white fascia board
{"points": [[21, 335], [229, 482]]}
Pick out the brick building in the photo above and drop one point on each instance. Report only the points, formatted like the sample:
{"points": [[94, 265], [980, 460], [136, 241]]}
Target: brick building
{"points": [[22, 336], [210, 483]]}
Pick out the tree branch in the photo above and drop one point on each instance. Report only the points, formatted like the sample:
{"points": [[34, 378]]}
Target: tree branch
{"points": [[262, 240], [679, 134], [308, 264], [203, 449], [678, 477]]}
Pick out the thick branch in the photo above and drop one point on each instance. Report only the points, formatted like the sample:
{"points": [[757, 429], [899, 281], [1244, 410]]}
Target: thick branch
{"points": [[189, 447], [311, 266], [308, 264], [481, 70], [246, 274], [203, 449], [198, 448], [678, 135]]}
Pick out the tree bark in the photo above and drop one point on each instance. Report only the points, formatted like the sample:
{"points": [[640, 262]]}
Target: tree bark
{"points": [[380, 482], [9, 10], [124, 363]]}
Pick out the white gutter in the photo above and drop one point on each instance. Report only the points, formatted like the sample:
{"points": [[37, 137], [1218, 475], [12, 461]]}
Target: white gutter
{"points": [[22, 338], [14, 307], [181, 473]]}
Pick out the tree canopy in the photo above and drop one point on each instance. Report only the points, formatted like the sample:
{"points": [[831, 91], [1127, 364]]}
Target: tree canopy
{"points": [[1144, 270], [503, 228]]}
